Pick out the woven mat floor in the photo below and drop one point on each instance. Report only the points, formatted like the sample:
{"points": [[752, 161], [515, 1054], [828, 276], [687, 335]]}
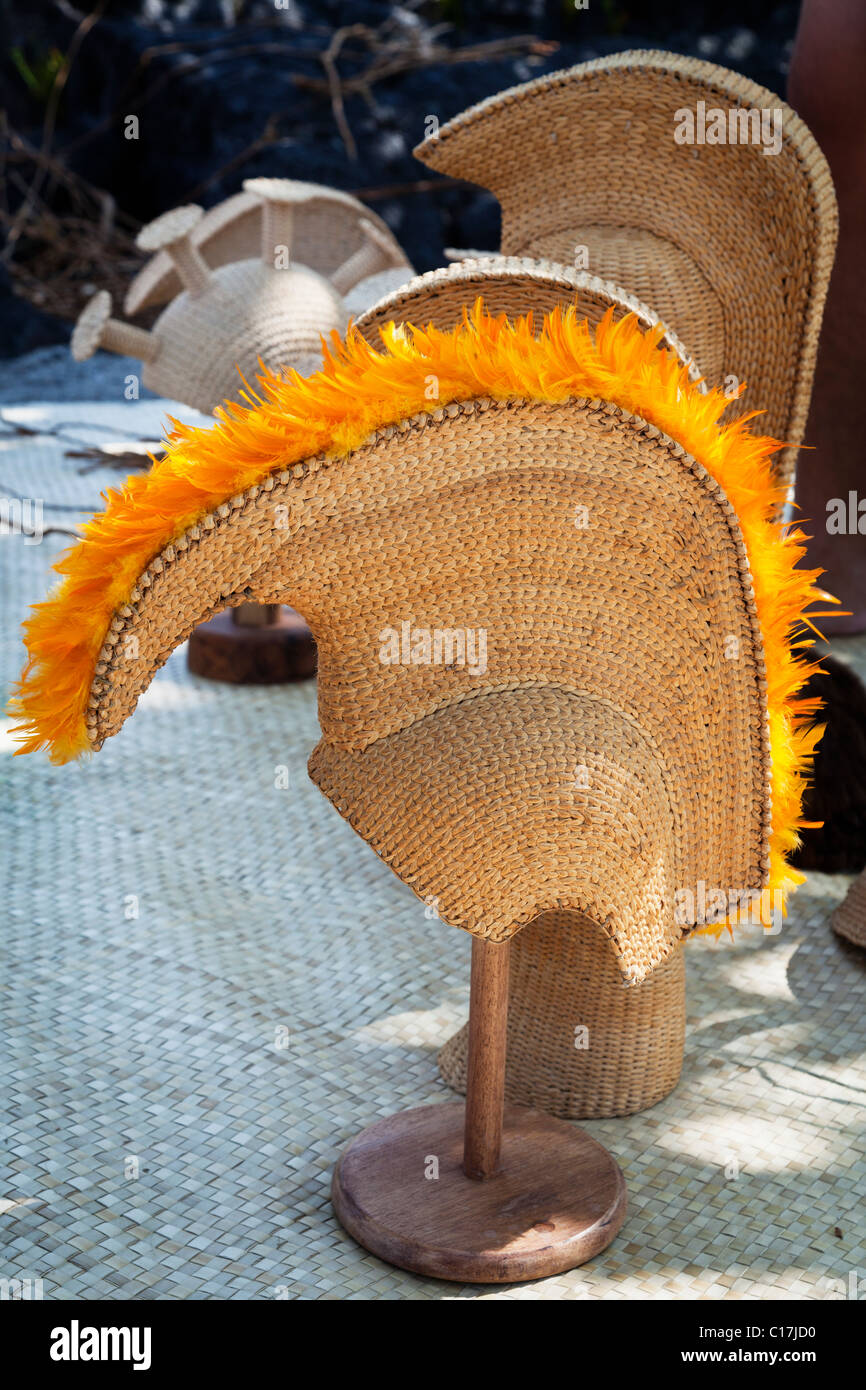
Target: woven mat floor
{"points": [[210, 984]]}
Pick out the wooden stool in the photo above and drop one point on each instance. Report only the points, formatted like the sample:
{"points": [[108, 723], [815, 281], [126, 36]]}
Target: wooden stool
{"points": [[486, 1193], [254, 644]]}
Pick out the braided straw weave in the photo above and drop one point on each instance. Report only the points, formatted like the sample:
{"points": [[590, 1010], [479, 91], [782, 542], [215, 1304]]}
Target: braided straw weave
{"points": [[203, 351], [849, 919], [226, 321], [563, 971], [731, 246], [510, 285], [327, 230], [579, 1045], [599, 750]]}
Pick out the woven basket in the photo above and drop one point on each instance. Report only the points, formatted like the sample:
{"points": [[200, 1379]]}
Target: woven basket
{"points": [[203, 353], [511, 285], [620, 733], [849, 919], [327, 230], [580, 1045], [211, 339], [731, 247]]}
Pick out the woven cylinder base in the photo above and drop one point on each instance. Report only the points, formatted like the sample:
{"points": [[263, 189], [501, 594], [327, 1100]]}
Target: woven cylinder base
{"points": [[849, 919], [580, 1044]]}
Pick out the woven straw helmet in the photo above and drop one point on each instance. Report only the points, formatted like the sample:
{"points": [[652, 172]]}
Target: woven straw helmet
{"points": [[553, 660], [562, 966], [264, 308], [329, 229], [731, 245]]}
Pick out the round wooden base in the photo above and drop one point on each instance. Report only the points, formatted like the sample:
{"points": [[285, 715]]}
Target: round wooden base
{"points": [[400, 1190], [270, 654]]}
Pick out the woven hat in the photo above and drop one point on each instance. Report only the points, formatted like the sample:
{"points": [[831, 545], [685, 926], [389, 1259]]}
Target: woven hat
{"points": [[510, 285], [552, 609], [616, 162], [225, 321], [329, 227]]}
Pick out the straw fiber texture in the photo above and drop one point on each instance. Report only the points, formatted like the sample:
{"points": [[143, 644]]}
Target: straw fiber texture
{"points": [[579, 1045], [532, 745], [326, 231], [731, 247], [510, 285], [849, 919]]}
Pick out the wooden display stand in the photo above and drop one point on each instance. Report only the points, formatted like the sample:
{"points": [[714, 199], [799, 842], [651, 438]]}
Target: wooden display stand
{"points": [[253, 644], [486, 1193]]}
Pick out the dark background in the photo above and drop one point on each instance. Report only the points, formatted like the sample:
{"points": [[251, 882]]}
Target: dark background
{"points": [[228, 89]]}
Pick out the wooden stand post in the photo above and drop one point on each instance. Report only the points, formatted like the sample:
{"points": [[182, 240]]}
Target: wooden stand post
{"points": [[485, 1088], [486, 1193]]}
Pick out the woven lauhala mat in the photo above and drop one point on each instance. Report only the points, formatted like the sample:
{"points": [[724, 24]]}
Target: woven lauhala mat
{"points": [[210, 984]]}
